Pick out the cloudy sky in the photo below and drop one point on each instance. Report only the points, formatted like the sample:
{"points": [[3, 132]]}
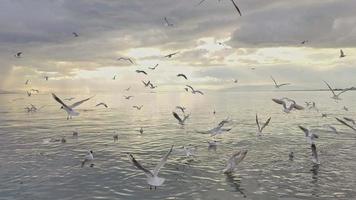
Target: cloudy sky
{"points": [[215, 44]]}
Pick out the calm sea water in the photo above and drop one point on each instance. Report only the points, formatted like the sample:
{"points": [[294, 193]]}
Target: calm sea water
{"points": [[32, 169]]}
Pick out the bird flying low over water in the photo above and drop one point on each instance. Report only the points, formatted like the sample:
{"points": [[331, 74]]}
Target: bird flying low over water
{"points": [[336, 96], [167, 23], [146, 84], [102, 104], [259, 127], [342, 53], [218, 129], [181, 108], [182, 75], [171, 55], [194, 91], [138, 107], [288, 104], [234, 160], [69, 109], [18, 54], [88, 158], [128, 97], [152, 175], [75, 34], [153, 68], [310, 139], [278, 85], [180, 121], [141, 71]]}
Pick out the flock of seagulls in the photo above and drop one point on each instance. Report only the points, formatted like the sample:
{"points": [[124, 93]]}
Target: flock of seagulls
{"points": [[236, 158]]}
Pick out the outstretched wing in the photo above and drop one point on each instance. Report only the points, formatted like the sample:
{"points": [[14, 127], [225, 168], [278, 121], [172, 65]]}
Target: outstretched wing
{"points": [[258, 124], [266, 124], [80, 102], [283, 84], [237, 8], [298, 107], [344, 90], [344, 123], [162, 162], [177, 117], [190, 87], [182, 75], [329, 87], [278, 101], [60, 101], [275, 83], [139, 166], [200, 92], [305, 130]]}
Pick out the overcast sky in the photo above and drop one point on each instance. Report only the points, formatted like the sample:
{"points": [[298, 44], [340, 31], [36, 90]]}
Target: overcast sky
{"points": [[266, 37]]}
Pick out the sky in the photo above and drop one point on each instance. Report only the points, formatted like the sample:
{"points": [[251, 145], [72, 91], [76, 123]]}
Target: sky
{"points": [[215, 44]]}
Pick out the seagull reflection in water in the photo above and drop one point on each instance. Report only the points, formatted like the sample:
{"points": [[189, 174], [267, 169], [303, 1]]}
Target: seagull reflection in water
{"points": [[235, 183]]}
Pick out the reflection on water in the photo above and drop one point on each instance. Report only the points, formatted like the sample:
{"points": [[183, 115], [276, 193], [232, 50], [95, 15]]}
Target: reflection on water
{"points": [[35, 164]]}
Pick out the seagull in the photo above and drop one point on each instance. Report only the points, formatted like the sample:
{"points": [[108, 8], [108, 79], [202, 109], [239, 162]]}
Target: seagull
{"points": [[342, 53], [75, 34], [237, 8], [116, 137], [181, 108], [324, 115], [235, 80], [141, 71], [288, 104], [141, 130], [102, 104], [336, 96], [259, 128], [180, 121], [88, 158], [345, 123], [152, 86], [291, 156], [69, 109], [128, 97], [27, 81], [138, 107], [304, 41], [187, 151], [152, 175], [127, 89], [46, 78], [125, 59], [350, 120], [146, 84], [278, 85], [195, 91], [182, 75], [345, 108], [309, 135], [167, 22], [171, 55], [153, 68], [217, 130], [18, 55], [234, 160]]}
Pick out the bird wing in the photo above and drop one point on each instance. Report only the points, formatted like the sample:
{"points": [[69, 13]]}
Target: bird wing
{"points": [[278, 101], [237, 8], [298, 107], [344, 123], [190, 87], [177, 117], [275, 83], [60, 101], [350, 120], [162, 162], [200, 92], [258, 124], [305, 130], [329, 87], [283, 84], [80, 102], [265, 124], [184, 76], [344, 90], [139, 166]]}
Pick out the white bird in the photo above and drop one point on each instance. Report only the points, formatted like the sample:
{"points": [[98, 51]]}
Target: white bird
{"points": [[278, 85], [102, 104], [342, 53], [217, 130], [195, 91], [138, 107], [309, 135], [288, 104], [234, 160], [88, 158], [259, 127], [69, 109], [180, 121], [152, 175], [336, 96]]}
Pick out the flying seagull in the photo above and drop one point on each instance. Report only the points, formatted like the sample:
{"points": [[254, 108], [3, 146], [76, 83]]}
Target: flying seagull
{"points": [[69, 109], [350, 120], [127, 89], [342, 53], [234, 160], [345, 123], [235, 80], [180, 121], [46, 78], [18, 54], [336, 96], [259, 127], [75, 34], [152, 175], [278, 85], [138, 107], [288, 104], [219, 129], [116, 137], [304, 42], [102, 104], [146, 84], [126, 59], [181, 108], [167, 22], [152, 86], [182, 75], [195, 91], [153, 68], [309, 135], [88, 158], [171, 55], [141, 71], [128, 97]]}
